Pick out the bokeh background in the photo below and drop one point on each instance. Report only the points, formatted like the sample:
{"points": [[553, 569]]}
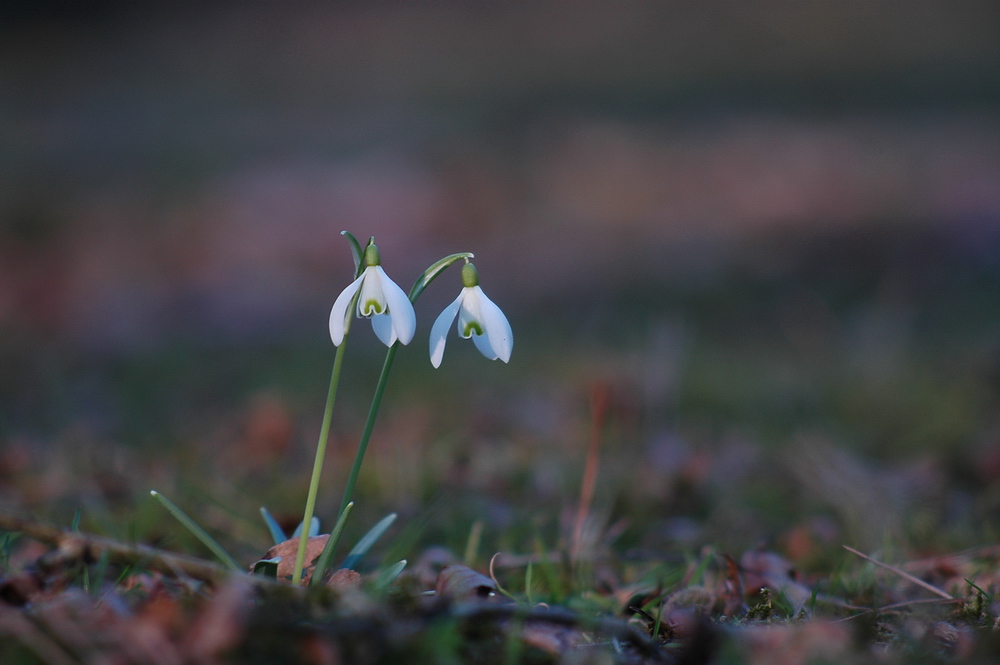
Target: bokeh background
{"points": [[755, 245]]}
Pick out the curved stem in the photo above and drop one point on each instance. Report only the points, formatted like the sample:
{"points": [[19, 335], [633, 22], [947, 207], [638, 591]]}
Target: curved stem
{"points": [[324, 433]]}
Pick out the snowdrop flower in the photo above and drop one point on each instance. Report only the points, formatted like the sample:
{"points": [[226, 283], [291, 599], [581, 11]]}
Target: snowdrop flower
{"points": [[478, 318], [380, 299]]}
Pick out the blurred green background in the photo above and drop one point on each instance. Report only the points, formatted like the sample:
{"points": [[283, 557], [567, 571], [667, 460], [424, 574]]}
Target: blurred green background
{"points": [[765, 234]]}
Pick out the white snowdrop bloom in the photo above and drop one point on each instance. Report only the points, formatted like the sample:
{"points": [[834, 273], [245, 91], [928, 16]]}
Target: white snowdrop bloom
{"points": [[478, 318], [380, 299]]}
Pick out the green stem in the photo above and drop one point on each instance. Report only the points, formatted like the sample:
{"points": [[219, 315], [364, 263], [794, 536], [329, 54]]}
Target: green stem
{"points": [[369, 425], [345, 505], [324, 433], [426, 278]]}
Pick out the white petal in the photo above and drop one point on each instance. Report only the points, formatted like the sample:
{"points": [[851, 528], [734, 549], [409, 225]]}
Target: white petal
{"points": [[382, 325], [404, 319], [496, 327], [338, 315], [439, 331], [469, 320], [482, 343], [372, 298]]}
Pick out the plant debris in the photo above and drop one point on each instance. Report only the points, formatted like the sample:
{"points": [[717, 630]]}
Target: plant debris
{"points": [[58, 609]]}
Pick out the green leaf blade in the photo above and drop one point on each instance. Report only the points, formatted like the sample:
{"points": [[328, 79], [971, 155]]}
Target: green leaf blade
{"points": [[277, 533], [267, 567], [313, 528], [368, 540], [389, 575], [198, 532], [323, 563]]}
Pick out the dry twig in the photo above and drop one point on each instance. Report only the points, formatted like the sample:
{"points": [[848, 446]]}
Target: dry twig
{"points": [[75, 546], [902, 573]]}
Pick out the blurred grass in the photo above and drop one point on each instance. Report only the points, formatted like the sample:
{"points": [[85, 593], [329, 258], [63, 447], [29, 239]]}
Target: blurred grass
{"points": [[739, 402], [766, 234]]}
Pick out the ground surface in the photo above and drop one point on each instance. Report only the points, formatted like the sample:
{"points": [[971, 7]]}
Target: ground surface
{"points": [[748, 250], [747, 432]]}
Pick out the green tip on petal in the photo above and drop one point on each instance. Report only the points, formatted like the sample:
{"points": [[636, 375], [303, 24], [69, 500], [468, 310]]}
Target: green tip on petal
{"points": [[470, 277], [372, 257]]}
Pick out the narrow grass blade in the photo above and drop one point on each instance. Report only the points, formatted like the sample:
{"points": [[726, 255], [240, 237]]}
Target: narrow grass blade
{"points": [[6, 546], [277, 533], [198, 532], [472, 543], [368, 540], [389, 575], [699, 572], [323, 563], [313, 528], [988, 596], [100, 572], [558, 589]]}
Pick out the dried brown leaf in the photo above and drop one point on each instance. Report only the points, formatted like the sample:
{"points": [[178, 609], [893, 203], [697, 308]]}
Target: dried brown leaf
{"points": [[797, 644], [221, 624], [15, 626], [732, 595], [289, 549], [344, 578], [429, 565], [462, 583], [554, 640]]}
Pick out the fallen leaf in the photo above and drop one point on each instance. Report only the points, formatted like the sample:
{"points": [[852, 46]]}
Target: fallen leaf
{"points": [[344, 578], [797, 644], [554, 640], [289, 549], [430, 563], [732, 586], [221, 624], [462, 583]]}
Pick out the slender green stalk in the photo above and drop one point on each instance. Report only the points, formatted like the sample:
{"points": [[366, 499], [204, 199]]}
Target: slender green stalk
{"points": [[324, 434], [324, 558], [369, 425], [200, 533], [426, 278]]}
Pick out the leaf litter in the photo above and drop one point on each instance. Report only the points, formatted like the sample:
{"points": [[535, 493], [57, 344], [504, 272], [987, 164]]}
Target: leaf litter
{"points": [[758, 606], [620, 576]]}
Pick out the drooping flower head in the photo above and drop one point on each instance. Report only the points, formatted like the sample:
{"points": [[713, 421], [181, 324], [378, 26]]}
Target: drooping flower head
{"points": [[380, 299], [478, 318]]}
